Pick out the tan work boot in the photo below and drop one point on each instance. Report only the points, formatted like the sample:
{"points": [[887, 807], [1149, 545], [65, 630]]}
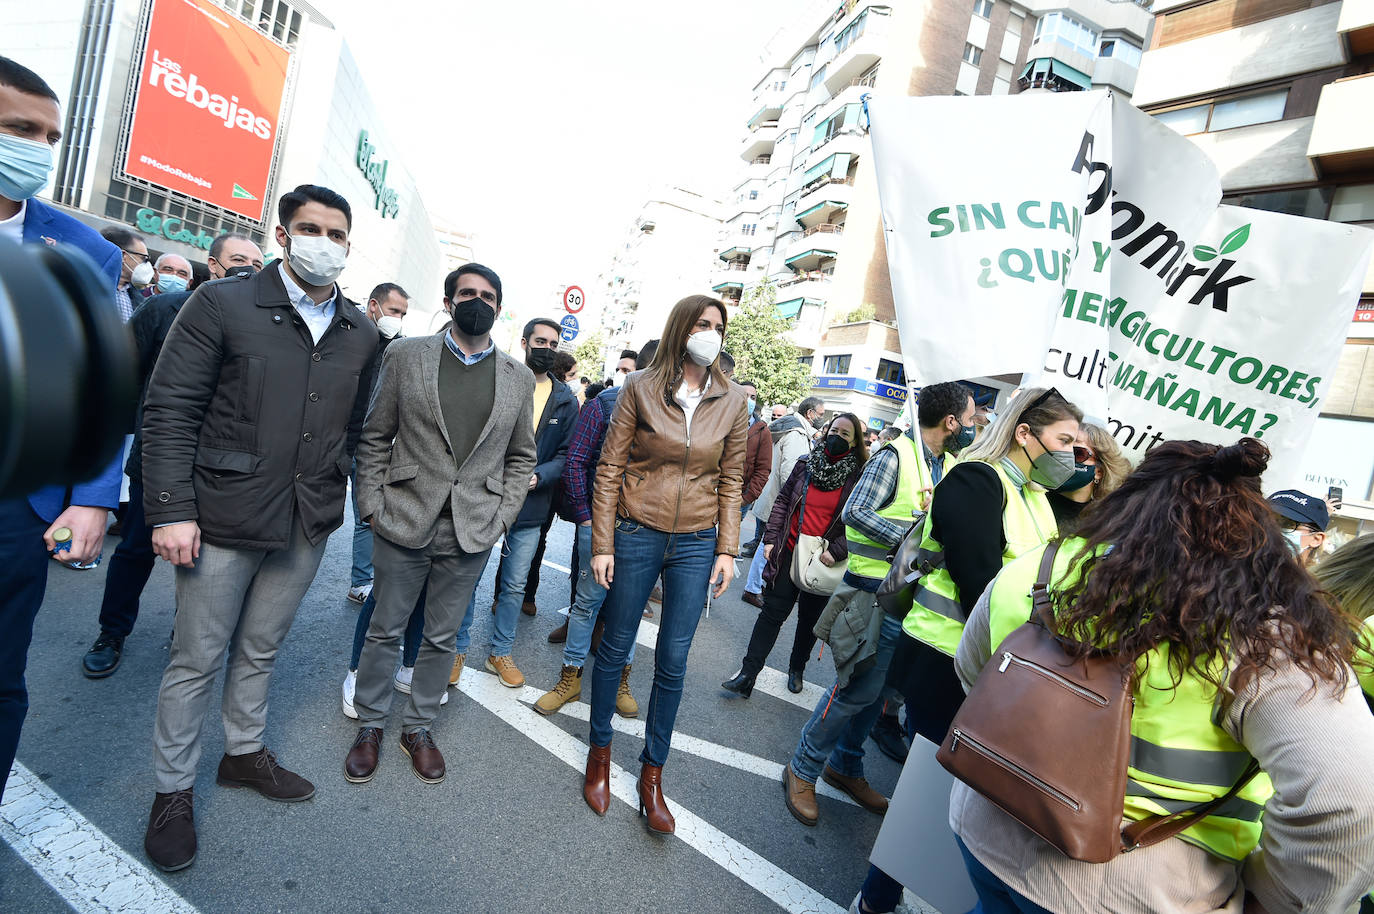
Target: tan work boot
{"points": [[458, 661], [625, 704], [800, 797], [510, 674], [569, 688]]}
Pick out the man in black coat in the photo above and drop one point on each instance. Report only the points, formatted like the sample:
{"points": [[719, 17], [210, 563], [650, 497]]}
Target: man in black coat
{"points": [[245, 459], [133, 559]]}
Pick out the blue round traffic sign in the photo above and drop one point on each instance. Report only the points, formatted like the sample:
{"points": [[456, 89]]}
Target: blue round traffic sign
{"points": [[570, 328]]}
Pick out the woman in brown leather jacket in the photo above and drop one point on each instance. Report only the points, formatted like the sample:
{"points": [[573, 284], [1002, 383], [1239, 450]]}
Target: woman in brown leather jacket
{"points": [[810, 502], [666, 502]]}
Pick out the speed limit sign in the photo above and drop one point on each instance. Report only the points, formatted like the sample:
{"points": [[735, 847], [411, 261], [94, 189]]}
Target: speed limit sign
{"points": [[573, 299]]}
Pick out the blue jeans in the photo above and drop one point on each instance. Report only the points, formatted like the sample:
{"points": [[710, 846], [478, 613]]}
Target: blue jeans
{"points": [[586, 604], [994, 895], [641, 555], [516, 554], [415, 630], [23, 578], [754, 582], [837, 729], [362, 540], [129, 568]]}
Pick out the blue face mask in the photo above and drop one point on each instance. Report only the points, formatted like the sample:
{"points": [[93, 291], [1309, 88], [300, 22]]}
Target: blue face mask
{"points": [[24, 167], [169, 282], [751, 406]]}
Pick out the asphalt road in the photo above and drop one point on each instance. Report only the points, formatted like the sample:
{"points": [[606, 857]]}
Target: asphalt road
{"points": [[506, 831]]}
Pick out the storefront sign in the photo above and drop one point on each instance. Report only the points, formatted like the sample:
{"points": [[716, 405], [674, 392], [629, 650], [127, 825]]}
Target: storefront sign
{"points": [[173, 229], [1101, 263], [862, 385], [206, 115], [387, 202]]}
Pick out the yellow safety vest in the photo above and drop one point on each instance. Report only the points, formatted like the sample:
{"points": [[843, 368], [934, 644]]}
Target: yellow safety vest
{"points": [[1179, 757], [937, 617], [1364, 660], [868, 557]]}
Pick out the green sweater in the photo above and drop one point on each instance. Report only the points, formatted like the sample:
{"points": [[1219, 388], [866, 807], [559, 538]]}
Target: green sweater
{"points": [[466, 395]]}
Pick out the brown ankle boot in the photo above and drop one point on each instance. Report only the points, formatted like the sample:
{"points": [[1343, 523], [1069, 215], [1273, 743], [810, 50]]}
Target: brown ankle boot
{"points": [[596, 786], [651, 803]]}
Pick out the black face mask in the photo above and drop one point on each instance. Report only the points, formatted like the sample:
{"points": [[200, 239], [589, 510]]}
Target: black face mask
{"points": [[836, 446], [539, 360], [473, 316], [241, 270]]}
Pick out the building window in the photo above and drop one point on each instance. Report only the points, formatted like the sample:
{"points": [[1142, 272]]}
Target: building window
{"points": [[1354, 203], [1311, 202], [1123, 51], [973, 54], [753, 195], [890, 372], [982, 8], [806, 360], [748, 228], [1237, 112], [837, 364], [818, 77], [1067, 30]]}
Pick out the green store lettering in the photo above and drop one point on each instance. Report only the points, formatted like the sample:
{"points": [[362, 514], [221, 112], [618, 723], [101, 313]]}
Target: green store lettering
{"points": [[388, 203], [170, 227]]}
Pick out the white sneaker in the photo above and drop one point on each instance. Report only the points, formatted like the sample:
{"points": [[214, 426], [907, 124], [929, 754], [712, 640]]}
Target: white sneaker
{"points": [[360, 593], [402, 680], [350, 683]]}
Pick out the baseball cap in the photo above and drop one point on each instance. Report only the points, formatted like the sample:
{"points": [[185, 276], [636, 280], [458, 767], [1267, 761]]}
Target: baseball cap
{"points": [[1301, 507]]}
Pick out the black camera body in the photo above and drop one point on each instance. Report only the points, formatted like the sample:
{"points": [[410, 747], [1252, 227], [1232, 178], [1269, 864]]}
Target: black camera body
{"points": [[68, 369]]}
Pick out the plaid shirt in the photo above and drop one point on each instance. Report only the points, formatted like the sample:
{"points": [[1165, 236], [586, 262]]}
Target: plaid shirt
{"points": [[877, 486], [584, 450]]}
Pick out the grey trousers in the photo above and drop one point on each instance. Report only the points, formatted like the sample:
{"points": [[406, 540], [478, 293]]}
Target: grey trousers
{"points": [[398, 575], [239, 601]]}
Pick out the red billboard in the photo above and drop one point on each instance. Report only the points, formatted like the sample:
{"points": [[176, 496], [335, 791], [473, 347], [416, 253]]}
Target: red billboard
{"points": [[205, 118]]}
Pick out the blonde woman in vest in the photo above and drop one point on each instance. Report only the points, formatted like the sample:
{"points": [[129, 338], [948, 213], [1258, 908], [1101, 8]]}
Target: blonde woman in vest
{"points": [[666, 503], [1239, 655], [1348, 575]]}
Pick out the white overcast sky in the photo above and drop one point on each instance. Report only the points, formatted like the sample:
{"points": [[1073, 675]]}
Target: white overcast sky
{"points": [[543, 125]]}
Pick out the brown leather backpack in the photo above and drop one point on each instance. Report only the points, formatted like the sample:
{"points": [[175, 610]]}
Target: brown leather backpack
{"points": [[1047, 739]]}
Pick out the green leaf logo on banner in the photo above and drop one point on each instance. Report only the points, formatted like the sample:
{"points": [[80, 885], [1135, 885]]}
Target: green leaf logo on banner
{"points": [[1235, 240], [1203, 253]]}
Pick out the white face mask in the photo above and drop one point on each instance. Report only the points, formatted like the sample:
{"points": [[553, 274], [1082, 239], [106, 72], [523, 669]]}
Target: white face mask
{"points": [[142, 274], [316, 259], [703, 347], [388, 325]]}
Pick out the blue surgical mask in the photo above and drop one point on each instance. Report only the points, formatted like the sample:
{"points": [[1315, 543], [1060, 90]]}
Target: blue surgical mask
{"points": [[751, 406], [1294, 538], [170, 282], [24, 167]]}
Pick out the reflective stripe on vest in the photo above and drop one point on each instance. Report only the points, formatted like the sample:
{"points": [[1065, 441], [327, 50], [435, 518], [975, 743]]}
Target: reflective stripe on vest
{"points": [[1178, 756], [868, 557], [937, 616]]}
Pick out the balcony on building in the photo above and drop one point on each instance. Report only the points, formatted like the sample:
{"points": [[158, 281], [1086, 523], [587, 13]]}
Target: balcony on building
{"points": [[858, 46], [813, 258], [1054, 75], [826, 212], [1356, 26], [828, 181], [730, 290], [737, 254], [759, 141], [1343, 131]]}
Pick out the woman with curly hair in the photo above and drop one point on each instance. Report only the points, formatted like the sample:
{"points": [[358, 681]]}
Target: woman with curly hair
{"points": [[1239, 656]]}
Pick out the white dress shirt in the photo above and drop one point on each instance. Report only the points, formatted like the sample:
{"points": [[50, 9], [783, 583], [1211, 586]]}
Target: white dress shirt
{"points": [[317, 317]]}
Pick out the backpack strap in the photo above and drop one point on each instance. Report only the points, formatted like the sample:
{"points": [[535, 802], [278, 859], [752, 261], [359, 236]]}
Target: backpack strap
{"points": [[1040, 590], [1160, 828]]}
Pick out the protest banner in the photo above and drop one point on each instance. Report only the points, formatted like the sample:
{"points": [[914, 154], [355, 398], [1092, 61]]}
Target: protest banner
{"points": [[1091, 253]]}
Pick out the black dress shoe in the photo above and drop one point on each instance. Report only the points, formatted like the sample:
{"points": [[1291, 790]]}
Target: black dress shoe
{"points": [[887, 733], [741, 685], [103, 657], [794, 681]]}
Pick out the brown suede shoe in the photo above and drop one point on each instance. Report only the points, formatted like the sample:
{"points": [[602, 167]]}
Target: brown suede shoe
{"points": [[425, 759], [171, 838], [260, 771], [800, 797], [559, 634], [528, 608], [858, 788], [361, 763]]}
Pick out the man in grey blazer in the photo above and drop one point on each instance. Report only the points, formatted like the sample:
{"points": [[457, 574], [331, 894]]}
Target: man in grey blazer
{"points": [[444, 464]]}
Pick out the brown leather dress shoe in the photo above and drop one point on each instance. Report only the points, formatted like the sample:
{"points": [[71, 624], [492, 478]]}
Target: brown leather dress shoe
{"points": [[651, 802], [425, 759], [559, 634], [753, 599], [858, 788], [596, 786], [361, 762], [800, 797], [529, 608], [260, 771]]}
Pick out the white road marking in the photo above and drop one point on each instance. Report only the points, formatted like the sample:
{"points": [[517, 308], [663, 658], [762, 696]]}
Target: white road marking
{"points": [[79, 861], [712, 752], [557, 567], [786, 891]]}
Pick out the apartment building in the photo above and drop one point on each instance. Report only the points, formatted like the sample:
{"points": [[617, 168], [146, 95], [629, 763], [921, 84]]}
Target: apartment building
{"points": [[1280, 93], [804, 214]]}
